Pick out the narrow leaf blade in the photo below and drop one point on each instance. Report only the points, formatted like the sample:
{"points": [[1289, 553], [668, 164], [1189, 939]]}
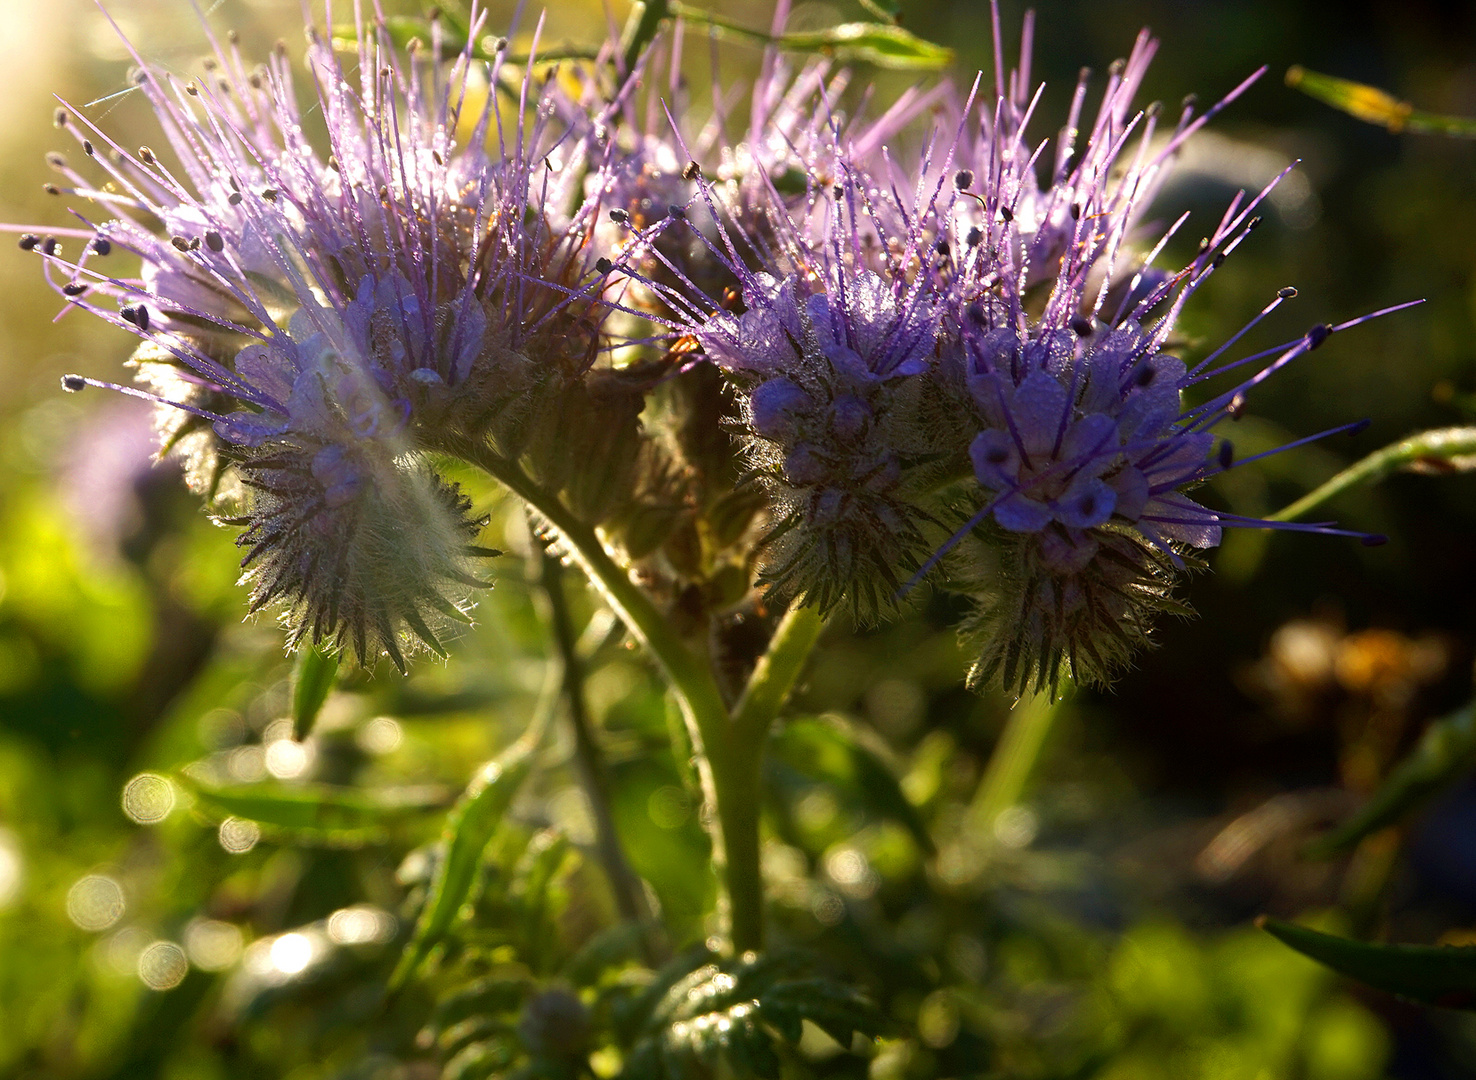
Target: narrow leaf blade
{"points": [[1434, 974], [317, 671]]}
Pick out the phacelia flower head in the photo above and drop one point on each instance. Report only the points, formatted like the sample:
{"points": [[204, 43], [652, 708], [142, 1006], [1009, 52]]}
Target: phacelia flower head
{"points": [[323, 317], [977, 348]]}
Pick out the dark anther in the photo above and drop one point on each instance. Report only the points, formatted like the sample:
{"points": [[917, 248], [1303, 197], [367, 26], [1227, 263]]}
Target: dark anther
{"points": [[255, 80], [180, 243], [49, 246], [269, 194], [1218, 261], [437, 157], [838, 192], [87, 147], [1153, 110], [1190, 100], [138, 316], [73, 288], [194, 243], [147, 156], [102, 246], [1374, 540], [233, 36], [1250, 225], [500, 45], [60, 118], [234, 198], [214, 242], [941, 247], [692, 171], [55, 160], [333, 163], [73, 383], [620, 217], [209, 63], [963, 179], [28, 241], [1115, 68], [1236, 408], [1287, 293], [604, 265], [1317, 335], [676, 212], [1081, 327], [192, 89], [1076, 211], [1227, 454], [974, 237], [1007, 214], [51, 189]]}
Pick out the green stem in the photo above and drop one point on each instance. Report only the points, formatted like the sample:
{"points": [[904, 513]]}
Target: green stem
{"points": [[1014, 758], [630, 894], [1433, 447], [642, 30], [775, 674]]}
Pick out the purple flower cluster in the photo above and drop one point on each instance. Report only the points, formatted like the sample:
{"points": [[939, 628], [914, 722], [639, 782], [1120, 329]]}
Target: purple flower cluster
{"points": [[957, 367], [963, 371], [320, 318]]}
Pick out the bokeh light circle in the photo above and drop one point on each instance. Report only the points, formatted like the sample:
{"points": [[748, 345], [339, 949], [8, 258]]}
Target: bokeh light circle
{"points": [[95, 902], [163, 966], [148, 798]]}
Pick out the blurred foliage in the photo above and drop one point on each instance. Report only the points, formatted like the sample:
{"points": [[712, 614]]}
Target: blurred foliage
{"points": [[188, 891]]}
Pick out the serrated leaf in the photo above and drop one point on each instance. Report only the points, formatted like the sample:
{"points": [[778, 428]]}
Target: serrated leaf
{"points": [[837, 1010], [1446, 752], [469, 827], [312, 681], [1434, 974], [830, 751], [319, 813]]}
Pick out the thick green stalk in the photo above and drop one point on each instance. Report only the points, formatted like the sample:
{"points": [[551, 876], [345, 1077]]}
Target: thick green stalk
{"points": [[739, 780], [645, 22]]}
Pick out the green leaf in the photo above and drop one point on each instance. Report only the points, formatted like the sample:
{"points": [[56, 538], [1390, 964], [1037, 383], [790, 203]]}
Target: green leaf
{"points": [[1434, 974], [318, 813], [837, 1010], [883, 44], [1445, 752], [469, 827], [1443, 450], [1375, 106], [831, 751], [317, 670], [874, 43]]}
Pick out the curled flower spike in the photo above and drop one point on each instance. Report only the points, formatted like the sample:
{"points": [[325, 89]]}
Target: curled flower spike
{"points": [[315, 319]]}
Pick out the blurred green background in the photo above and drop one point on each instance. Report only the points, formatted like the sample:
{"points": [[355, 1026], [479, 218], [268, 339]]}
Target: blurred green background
{"points": [[1100, 928]]}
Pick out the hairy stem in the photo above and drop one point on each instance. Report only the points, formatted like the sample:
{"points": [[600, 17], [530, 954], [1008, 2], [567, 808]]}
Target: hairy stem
{"points": [[725, 783], [630, 893]]}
